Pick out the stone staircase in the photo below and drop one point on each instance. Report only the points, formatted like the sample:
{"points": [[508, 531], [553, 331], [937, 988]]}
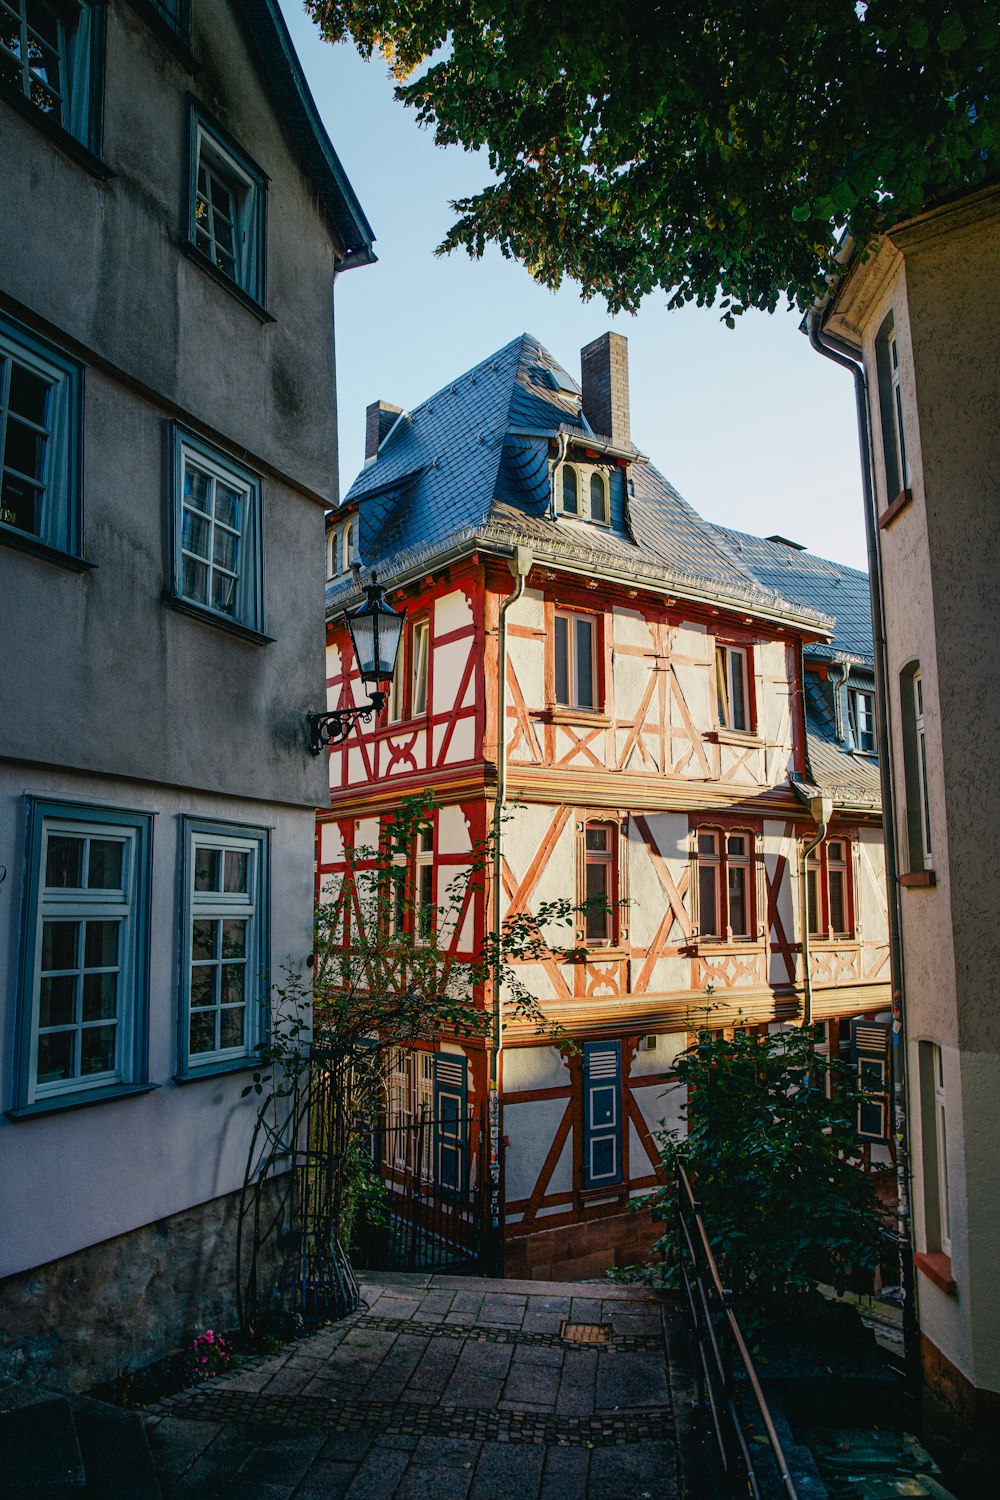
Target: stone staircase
{"points": [[54, 1446]]}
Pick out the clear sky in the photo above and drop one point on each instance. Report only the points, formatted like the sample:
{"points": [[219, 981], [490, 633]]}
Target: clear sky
{"points": [[755, 429]]}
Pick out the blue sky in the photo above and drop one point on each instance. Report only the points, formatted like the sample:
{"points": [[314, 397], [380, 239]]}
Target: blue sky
{"points": [[755, 429]]}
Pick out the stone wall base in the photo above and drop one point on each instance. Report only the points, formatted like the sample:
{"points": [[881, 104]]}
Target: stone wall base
{"points": [[123, 1304], [978, 1410], [575, 1252]]}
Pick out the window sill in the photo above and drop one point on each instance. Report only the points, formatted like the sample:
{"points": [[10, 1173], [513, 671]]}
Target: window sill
{"points": [[745, 737], [596, 718], [218, 1069], [221, 622], [614, 1192], [234, 289], [723, 945], [404, 726], [57, 134], [22, 541], [918, 879], [61, 1105], [175, 41], [936, 1266], [894, 509]]}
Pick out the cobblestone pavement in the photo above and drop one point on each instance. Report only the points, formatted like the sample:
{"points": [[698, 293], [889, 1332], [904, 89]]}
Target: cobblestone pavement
{"points": [[448, 1388]]}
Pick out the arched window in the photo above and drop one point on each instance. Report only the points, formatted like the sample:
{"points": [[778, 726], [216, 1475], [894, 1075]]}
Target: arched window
{"points": [[890, 401], [599, 497], [570, 490], [332, 553], [348, 548]]}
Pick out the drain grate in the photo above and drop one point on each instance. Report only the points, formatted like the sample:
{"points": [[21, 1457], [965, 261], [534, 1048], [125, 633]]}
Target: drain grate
{"points": [[585, 1333]]}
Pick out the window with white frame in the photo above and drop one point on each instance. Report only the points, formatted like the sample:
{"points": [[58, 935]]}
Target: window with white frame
{"points": [[419, 649], [51, 56], [225, 981], [861, 719], [227, 208], [423, 886], [583, 492], [85, 959], [732, 687], [934, 1131], [41, 399], [921, 747], [600, 896], [888, 370], [217, 534], [575, 660], [347, 548]]}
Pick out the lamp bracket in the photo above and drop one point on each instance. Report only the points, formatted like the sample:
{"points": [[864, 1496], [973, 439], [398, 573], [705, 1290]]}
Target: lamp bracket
{"points": [[335, 725]]}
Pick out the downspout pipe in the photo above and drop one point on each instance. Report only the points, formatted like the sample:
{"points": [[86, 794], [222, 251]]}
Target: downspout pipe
{"points": [[560, 459], [520, 564], [841, 353], [822, 811]]}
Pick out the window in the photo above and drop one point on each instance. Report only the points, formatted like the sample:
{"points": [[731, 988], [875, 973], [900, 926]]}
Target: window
{"points": [[51, 58], [871, 1042], [408, 691], [861, 720], [934, 1131], [726, 884], [420, 642], [225, 978], [218, 565], [828, 890], [575, 660], [914, 734], [602, 1129], [41, 400], [227, 209], [176, 14], [732, 688], [600, 884], [890, 400], [347, 553], [450, 1121], [425, 912], [85, 955], [583, 492], [410, 1144]]}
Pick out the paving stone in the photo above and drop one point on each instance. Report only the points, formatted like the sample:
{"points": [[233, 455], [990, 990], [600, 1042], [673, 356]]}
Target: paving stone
{"points": [[398, 1366], [432, 1483], [631, 1380], [283, 1456], [175, 1443], [499, 1308], [508, 1471], [586, 1310], [646, 1471], [539, 1354], [429, 1378], [478, 1376], [326, 1482], [378, 1476], [565, 1474], [348, 1447], [538, 1384]]}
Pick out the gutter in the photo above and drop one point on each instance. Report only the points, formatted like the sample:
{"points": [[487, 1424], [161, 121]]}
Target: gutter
{"points": [[519, 564], [841, 353]]}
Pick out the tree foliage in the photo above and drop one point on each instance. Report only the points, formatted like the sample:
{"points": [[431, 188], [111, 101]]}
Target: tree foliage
{"points": [[699, 150], [786, 1199]]}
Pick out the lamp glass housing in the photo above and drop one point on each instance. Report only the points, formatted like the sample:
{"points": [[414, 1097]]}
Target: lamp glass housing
{"points": [[375, 629]]}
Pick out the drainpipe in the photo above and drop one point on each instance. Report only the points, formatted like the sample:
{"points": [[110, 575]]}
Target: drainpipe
{"points": [[821, 809], [520, 566], [560, 459], [842, 354], [838, 707]]}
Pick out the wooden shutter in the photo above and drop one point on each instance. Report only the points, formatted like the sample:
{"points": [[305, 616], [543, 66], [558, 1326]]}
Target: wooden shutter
{"points": [[602, 1114], [870, 1045], [450, 1108]]}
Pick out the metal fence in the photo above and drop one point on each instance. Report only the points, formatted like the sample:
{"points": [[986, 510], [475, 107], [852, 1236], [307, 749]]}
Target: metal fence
{"points": [[431, 1217], [727, 1381]]}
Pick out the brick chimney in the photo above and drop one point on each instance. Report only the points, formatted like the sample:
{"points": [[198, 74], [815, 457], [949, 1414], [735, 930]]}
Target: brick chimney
{"points": [[380, 416], [604, 378]]}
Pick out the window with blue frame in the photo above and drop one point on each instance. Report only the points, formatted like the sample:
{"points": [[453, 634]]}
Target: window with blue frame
{"points": [[85, 953], [227, 208], [51, 58], [41, 401], [602, 1125], [218, 556], [176, 13], [450, 1124], [226, 920]]}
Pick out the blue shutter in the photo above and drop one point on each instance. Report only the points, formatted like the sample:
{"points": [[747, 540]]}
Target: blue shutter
{"points": [[602, 1114], [872, 1080], [450, 1105]]}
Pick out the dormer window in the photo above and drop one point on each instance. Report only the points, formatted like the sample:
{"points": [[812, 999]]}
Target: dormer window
{"points": [[347, 555], [583, 491], [340, 550]]}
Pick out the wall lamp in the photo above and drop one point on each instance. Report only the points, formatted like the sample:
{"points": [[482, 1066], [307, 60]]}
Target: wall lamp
{"points": [[375, 629]]}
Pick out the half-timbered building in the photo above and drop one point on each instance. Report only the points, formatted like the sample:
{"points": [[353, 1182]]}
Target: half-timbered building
{"points": [[671, 715]]}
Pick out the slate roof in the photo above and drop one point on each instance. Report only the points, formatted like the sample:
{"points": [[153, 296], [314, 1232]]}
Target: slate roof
{"points": [[470, 464], [297, 112]]}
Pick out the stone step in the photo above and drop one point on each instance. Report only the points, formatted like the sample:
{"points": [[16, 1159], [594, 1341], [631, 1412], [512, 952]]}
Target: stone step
{"points": [[40, 1456]]}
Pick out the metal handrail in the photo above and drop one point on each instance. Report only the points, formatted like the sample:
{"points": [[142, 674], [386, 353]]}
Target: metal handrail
{"points": [[720, 1346]]}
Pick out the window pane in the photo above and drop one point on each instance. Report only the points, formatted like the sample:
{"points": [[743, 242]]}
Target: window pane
{"points": [[227, 505], [204, 939], [100, 997], [597, 891], [737, 662], [55, 1056], [59, 945], [707, 907], [706, 843], [97, 1049], [207, 866], [195, 533], [739, 915], [562, 659], [21, 504], [234, 939], [598, 499], [736, 845], [231, 1026], [584, 663], [570, 491], [101, 946], [224, 593], [233, 984], [202, 1032], [104, 869], [64, 862], [195, 585], [597, 838], [812, 894], [29, 393], [203, 985], [57, 1003], [197, 488], [237, 865], [838, 904]]}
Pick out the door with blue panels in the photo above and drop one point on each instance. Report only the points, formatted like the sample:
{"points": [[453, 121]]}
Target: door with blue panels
{"points": [[450, 1108], [602, 1114]]}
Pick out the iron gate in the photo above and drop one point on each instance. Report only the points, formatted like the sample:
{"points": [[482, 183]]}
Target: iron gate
{"points": [[432, 1217]]}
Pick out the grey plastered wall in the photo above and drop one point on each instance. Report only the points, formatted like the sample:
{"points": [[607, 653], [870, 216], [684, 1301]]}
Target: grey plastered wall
{"points": [[98, 266]]}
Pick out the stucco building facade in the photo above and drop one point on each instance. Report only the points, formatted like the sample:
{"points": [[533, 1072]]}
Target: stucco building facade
{"points": [[173, 218]]}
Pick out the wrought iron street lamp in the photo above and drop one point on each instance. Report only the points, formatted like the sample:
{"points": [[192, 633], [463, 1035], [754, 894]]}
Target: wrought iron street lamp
{"points": [[375, 629]]}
